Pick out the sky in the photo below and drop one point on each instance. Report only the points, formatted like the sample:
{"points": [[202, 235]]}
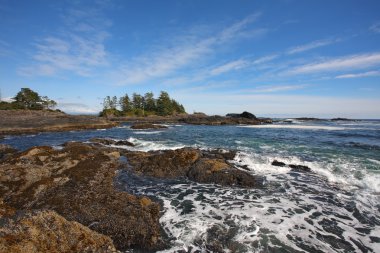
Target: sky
{"points": [[278, 58]]}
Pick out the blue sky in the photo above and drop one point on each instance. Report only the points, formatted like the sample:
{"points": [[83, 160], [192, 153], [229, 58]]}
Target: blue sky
{"points": [[273, 58]]}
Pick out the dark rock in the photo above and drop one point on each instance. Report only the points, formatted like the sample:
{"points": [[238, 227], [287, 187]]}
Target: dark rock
{"points": [[279, 164], [148, 126], [341, 119], [197, 165], [246, 115], [299, 168], [112, 142], [219, 172]]}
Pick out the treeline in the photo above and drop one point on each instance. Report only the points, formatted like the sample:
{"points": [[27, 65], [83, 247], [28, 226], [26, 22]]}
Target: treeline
{"points": [[139, 105], [28, 99]]}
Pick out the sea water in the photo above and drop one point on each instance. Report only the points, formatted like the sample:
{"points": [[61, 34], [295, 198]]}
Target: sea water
{"points": [[333, 208]]}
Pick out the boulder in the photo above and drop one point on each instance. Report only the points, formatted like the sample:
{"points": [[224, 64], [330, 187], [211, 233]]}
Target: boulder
{"points": [[197, 165], [301, 168], [246, 115], [217, 171], [279, 164], [106, 141], [147, 126]]}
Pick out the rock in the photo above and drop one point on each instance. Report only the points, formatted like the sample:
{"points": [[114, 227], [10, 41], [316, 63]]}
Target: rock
{"points": [[246, 115], [147, 126], [279, 164], [219, 172], [105, 141], [77, 182], [163, 164], [341, 119], [6, 150], [299, 168], [200, 166], [46, 231]]}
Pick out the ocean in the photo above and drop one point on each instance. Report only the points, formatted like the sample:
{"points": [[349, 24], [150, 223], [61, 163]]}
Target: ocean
{"points": [[333, 208]]}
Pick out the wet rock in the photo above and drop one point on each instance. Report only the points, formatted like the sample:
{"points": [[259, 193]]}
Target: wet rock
{"points": [[105, 141], [77, 182], [301, 168], [194, 164], [147, 126], [279, 164], [219, 172], [163, 164], [46, 231]]}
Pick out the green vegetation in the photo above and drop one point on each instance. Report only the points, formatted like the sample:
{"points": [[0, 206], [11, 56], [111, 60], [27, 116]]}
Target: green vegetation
{"points": [[28, 99], [139, 105]]}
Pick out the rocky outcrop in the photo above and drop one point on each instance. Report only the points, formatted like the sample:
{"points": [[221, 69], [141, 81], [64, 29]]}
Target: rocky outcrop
{"points": [[294, 167], [194, 164], [147, 126], [246, 115], [106, 141], [46, 231], [34, 121], [77, 183]]}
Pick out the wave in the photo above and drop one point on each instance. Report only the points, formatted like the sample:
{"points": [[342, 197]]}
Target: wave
{"points": [[305, 127], [143, 145], [347, 174], [147, 132]]}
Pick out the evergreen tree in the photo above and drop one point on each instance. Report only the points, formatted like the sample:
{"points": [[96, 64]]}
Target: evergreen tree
{"points": [[164, 104], [107, 103], [137, 101], [125, 103], [150, 102]]}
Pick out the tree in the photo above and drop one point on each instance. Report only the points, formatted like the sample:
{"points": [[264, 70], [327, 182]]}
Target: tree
{"points": [[48, 103], [28, 99], [107, 103], [137, 101], [125, 103], [164, 105], [150, 102]]}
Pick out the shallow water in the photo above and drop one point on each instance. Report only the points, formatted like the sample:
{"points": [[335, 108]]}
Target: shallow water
{"points": [[335, 208]]}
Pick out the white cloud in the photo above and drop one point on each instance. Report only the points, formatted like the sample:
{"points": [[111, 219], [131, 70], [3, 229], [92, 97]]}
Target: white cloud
{"points": [[351, 62], [76, 108], [276, 88], [310, 46], [233, 65], [358, 75], [78, 48], [186, 51], [265, 59], [375, 27]]}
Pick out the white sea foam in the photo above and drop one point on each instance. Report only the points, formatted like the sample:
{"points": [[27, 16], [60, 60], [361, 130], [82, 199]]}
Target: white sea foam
{"points": [[306, 127], [101, 129], [147, 132], [143, 145]]}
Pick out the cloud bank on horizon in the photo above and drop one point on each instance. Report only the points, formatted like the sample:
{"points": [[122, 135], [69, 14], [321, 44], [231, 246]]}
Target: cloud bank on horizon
{"points": [[273, 58]]}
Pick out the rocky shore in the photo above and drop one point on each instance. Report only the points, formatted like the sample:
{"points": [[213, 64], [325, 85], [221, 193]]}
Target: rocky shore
{"points": [[34, 121], [66, 200]]}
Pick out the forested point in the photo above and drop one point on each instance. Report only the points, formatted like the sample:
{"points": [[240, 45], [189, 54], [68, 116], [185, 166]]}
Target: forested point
{"points": [[30, 100], [139, 105]]}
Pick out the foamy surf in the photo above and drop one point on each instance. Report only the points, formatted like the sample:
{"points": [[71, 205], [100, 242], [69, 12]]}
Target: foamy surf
{"points": [[305, 127]]}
